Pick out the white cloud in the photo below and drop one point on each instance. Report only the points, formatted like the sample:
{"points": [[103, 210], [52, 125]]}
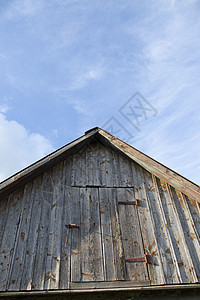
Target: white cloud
{"points": [[19, 148]]}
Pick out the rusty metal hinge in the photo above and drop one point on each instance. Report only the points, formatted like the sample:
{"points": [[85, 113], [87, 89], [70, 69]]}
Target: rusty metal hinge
{"points": [[146, 259], [72, 226], [135, 202]]}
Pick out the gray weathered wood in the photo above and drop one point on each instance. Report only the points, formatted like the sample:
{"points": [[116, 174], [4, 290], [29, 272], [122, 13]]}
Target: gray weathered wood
{"points": [[116, 236], [147, 225], [75, 236], [20, 244], [131, 236], [31, 245], [10, 236], [176, 233], [86, 269], [54, 234], [41, 261], [161, 231], [107, 239], [91, 248], [38, 251], [4, 208], [117, 181], [108, 284], [188, 233], [65, 259], [125, 170]]}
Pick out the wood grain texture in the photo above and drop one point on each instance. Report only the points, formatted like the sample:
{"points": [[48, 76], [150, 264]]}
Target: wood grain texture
{"points": [[107, 236], [16, 269], [41, 263], [10, 237], [4, 208], [131, 236], [148, 227], [31, 244], [65, 254], [39, 250]]}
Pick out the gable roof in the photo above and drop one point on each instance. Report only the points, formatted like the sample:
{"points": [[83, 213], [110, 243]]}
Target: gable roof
{"points": [[169, 176]]}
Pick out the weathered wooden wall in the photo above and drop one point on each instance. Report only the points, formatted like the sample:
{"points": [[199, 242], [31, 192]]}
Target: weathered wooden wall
{"points": [[39, 251]]}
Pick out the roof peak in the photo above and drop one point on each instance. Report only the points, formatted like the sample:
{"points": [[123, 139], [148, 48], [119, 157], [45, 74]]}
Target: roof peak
{"points": [[93, 129]]}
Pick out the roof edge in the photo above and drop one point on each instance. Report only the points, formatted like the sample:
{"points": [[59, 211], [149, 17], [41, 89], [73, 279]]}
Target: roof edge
{"points": [[156, 168], [45, 163], [168, 288]]}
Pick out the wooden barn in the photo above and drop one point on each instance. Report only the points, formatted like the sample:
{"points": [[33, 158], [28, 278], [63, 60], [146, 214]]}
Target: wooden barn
{"points": [[98, 219]]}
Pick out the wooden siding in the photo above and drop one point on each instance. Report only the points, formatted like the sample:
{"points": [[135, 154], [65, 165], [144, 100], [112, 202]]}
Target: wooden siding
{"points": [[39, 250]]}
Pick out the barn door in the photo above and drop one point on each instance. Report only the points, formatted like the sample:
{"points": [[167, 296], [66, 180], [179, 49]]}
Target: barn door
{"points": [[106, 240], [121, 235]]}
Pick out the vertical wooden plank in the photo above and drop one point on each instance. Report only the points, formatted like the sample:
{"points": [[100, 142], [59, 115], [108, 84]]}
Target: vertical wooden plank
{"points": [[116, 235], [172, 249], [131, 236], [40, 262], [67, 171], [160, 231], [84, 178], [75, 236], [91, 248], [106, 167], [87, 274], [194, 209], [92, 162], [102, 165], [4, 208], [107, 239], [51, 280], [95, 236], [189, 235], [125, 170], [65, 260], [148, 229], [117, 181], [81, 176], [177, 235], [75, 171], [31, 245], [20, 253], [96, 163], [58, 205], [10, 237]]}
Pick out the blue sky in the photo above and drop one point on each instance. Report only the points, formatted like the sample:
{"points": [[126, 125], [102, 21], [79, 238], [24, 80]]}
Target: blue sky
{"points": [[68, 66]]}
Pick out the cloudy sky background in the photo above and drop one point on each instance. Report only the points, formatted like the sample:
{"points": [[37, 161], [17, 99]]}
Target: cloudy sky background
{"points": [[69, 65]]}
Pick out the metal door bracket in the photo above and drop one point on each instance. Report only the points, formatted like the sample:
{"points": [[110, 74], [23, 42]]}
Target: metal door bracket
{"points": [[146, 259], [135, 202], [72, 226]]}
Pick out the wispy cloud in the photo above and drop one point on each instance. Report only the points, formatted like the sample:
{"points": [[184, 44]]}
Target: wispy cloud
{"points": [[73, 64]]}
